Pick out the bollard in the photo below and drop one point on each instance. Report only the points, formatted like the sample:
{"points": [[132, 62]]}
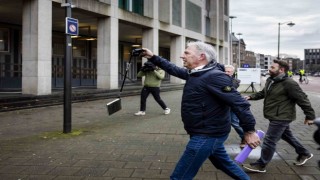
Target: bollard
{"points": [[243, 155]]}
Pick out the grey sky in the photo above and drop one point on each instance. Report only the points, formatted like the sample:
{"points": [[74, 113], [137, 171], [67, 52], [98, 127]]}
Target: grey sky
{"points": [[258, 21]]}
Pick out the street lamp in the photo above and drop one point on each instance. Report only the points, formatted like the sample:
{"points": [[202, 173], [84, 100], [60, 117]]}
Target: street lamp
{"points": [[239, 50], [230, 56], [289, 23]]}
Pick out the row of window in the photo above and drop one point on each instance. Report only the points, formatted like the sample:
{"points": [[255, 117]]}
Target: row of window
{"points": [[312, 61], [312, 56], [307, 51]]}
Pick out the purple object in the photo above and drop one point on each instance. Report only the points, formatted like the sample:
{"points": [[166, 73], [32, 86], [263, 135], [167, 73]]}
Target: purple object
{"points": [[242, 156]]}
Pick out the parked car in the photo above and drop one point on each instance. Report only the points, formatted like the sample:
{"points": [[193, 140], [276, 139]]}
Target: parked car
{"points": [[316, 74]]}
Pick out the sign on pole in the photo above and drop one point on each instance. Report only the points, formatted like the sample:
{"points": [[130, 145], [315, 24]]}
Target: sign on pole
{"points": [[249, 75], [72, 26]]}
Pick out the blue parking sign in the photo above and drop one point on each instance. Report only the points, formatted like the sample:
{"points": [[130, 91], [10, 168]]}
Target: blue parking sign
{"points": [[72, 26], [246, 65]]}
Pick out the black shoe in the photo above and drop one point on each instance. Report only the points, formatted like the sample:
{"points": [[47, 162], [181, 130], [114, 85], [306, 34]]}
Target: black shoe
{"points": [[302, 159], [255, 167]]}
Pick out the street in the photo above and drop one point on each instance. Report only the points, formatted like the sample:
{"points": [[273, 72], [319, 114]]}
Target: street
{"points": [[124, 146]]}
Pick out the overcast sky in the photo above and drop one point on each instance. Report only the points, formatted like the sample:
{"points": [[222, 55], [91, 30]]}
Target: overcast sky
{"points": [[258, 21]]}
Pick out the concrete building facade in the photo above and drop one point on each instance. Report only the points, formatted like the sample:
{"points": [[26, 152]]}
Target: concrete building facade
{"points": [[32, 39]]}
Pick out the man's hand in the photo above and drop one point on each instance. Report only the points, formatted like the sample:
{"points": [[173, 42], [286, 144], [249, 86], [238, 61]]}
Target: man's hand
{"points": [[252, 139], [246, 97], [146, 53], [308, 122]]}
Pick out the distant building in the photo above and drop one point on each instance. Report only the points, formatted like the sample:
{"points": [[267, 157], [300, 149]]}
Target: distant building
{"points": [[312, 60], [268, 59], [294, 64], [238, 53], [250, 59], [260, 60]]}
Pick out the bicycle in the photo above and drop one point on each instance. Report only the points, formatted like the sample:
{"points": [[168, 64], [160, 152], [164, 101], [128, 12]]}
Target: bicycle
{"points": [[304, 79]]}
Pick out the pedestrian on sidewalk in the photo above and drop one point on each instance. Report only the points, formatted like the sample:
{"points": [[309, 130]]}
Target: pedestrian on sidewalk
{"points": [[281, 94], [205, 111], [153, 77], [229, 69]]}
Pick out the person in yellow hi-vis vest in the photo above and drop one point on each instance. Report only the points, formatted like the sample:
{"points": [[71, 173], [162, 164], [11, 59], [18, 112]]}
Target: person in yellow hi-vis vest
{"points": [[290, 73], [301, 73]]}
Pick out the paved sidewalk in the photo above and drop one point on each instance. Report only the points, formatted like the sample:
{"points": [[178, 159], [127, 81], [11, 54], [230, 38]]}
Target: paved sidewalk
{"points": [[124, 146]]}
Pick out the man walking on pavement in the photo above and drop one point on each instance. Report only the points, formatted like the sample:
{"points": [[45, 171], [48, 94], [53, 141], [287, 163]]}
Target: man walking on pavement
{"points": [[281, 94], [205, 110], [229, 69]]}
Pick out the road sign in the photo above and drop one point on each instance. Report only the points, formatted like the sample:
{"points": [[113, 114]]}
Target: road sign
{"points": [[72, 26], [246, 65]]}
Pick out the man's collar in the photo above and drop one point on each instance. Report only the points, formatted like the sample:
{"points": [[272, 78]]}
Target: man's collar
{"points": [[199, 67]]}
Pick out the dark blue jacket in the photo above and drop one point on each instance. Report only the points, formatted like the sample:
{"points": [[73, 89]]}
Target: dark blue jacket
{"points": [[207, 97]]}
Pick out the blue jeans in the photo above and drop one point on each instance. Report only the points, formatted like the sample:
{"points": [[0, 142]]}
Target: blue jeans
{"points": [[236, 126], [278, 130], [198, 149]]}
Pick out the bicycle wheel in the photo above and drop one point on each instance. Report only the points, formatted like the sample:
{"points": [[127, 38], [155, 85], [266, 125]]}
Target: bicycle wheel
{"points": [[306, 80]]}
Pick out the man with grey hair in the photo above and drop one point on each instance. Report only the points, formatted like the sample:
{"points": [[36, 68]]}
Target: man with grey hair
{"points": [[205, 110], [229, 69]]}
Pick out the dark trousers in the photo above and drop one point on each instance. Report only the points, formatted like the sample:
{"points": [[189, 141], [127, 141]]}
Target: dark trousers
{"points": [[155, 91], [279, 130]]}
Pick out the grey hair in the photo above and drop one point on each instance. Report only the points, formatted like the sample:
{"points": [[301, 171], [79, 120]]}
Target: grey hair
{"points": [[229, 66], [205, 48]]}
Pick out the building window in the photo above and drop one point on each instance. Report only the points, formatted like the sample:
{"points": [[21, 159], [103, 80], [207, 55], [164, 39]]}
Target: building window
{"points": [[4, 40], [124, 4], [176, 12], [307, 61], [193, 17], [208, 24], [226, 7], [226, 30], [135, 6]]}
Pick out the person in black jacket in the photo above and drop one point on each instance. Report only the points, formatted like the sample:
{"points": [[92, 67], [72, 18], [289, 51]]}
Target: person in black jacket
{"points": [[281, 94], [205, 109]]}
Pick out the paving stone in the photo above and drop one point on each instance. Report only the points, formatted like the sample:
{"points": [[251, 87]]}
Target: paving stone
{"points": [[127, 147], [113, 172], [64, 171]]}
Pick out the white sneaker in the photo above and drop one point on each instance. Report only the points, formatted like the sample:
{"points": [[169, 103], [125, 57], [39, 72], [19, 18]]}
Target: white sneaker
{"points": [[167, 111], [140, 113], [302, 159]]}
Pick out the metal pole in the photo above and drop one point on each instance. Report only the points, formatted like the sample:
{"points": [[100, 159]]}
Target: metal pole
{"points": [[230, 61], [239, 63], [279, 40], [239, 53], [67, 78], [231, 52]]}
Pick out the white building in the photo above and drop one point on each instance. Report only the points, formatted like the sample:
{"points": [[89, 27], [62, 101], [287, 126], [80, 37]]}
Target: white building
{"points": [[32, 33]]}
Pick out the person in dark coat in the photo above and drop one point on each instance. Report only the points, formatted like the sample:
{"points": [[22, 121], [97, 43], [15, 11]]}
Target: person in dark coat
{"points": [[229, 69], [281, 94], [207, 99]]}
